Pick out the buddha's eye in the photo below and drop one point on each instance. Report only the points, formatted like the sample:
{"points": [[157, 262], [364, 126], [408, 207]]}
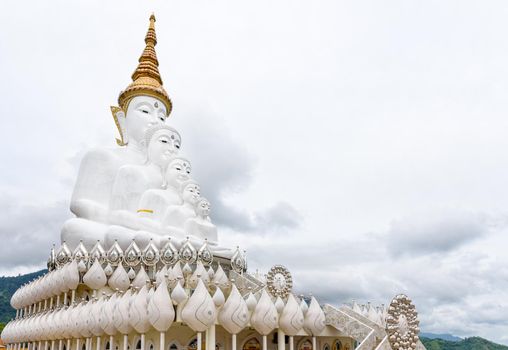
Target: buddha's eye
{"points": [[188, 171], [164, 141], [178, 168], [144, 111], [161, 118], [177, 145]]}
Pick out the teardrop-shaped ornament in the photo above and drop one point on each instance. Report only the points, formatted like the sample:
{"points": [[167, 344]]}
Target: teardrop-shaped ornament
{"points": [[178, 295], [238, 261], [115, 254], [108, 270], [188, 253], [205, 254], [82, 266], [64, 255], [131, 274], [169, 254], [98, 253], [132, 255], [80, 253], [150, 255]]}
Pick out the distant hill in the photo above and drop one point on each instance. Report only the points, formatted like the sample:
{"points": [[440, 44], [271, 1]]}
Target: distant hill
{"points": [[440, 336], [8, 286], [473, 343]]}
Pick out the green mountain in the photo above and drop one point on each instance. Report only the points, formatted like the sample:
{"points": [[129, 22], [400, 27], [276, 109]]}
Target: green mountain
{"points": [[8, 286], [473, 343]]}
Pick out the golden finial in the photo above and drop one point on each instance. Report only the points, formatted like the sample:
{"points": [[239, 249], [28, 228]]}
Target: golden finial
{"points": [[146, 79]]}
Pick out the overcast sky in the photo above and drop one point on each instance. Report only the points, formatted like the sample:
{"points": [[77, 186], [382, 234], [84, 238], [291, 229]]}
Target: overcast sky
{"points": [[363, 144]]}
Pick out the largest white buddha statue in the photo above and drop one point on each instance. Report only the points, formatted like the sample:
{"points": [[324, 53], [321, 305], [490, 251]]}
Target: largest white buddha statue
{"points": [[142, 104]]}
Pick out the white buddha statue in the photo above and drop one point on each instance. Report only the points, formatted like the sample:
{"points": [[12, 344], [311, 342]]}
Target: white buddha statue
{"points": [[142, 104], [201, 226], [132, 180], [157, 200], [176, 215]]}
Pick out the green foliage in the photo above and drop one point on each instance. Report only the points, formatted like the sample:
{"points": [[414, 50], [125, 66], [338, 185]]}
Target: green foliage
{"points": [[8, 285], [473, 343]]}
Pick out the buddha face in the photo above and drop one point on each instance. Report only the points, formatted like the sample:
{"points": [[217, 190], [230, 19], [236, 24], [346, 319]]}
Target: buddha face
{"points": [[178, 172], [203, 208], [159, 148], [191, 193], [143, 112]]}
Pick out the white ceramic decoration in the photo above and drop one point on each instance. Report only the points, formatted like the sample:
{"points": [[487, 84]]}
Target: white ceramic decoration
{"points": [[95, 278], [265, 317], [234, 315], [138, 315], [199, 311], [160, 308], [314, 321], [291, 318]]}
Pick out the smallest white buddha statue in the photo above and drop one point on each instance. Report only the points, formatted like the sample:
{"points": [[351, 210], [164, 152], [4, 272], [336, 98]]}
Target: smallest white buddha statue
{"points": [[201, 226], [176, 215]]}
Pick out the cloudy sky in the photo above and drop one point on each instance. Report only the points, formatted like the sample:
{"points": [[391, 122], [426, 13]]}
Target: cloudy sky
{"points": [[360, 143]]}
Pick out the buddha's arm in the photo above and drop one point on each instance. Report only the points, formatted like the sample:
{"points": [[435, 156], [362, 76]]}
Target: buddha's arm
{"points": [[90, 197]]}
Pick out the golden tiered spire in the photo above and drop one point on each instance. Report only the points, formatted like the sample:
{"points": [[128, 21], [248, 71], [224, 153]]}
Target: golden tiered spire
{"points": [[146, 79]]}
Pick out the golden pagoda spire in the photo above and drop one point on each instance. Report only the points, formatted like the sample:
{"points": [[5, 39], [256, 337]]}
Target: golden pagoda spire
{"points": [[146, 79]]}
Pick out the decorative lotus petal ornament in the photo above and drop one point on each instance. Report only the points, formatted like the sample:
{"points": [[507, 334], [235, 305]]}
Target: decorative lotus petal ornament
{"points": [[160, 308], [199, 273], [169, 254], [279, 305], [141, 278], [291, 318], [264, 318], [95, 278], [131, 274], [80, 253], [82, 266], [199, 312], [108, 270], [132, 255], [178, 294], [220, 279], [314, 321], [303, 305], [188, 253], [64, 255], [234, 315], [138, 316], [205, 254], [72, 275], [115, 254], [98, 253], [251, 302], [218, 298], [238, 261], [119, 279], [150, 255]]}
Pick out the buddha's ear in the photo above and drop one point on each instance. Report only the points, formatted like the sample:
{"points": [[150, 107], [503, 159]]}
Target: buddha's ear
{"points": [[119, 117]]}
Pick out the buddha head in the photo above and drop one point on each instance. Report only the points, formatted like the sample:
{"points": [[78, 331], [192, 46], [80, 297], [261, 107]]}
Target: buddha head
{"points": [[203, 207], [178, 172], [161, 141], [144, 102], [190, 192]]}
